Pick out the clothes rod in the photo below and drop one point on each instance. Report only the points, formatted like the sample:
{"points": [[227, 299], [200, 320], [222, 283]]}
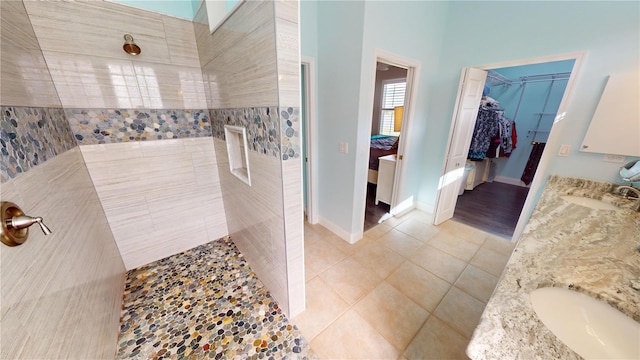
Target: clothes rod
{"points": [[537, 142]]}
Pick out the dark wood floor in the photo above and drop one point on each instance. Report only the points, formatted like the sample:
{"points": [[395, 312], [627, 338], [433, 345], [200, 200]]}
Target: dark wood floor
{"points": [[492, 207], [373, 212]]}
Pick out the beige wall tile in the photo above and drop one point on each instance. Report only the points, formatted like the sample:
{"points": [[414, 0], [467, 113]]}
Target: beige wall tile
{"points": [[255, 218], [181, 42], [92, 81], [83, 41], [288, 52], [25, 78], [63, 290], [233, 79], [96, 28], [156, 211]]}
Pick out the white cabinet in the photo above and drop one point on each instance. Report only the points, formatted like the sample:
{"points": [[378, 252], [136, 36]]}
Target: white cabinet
{"points": [[615, 127], [386, 173]]}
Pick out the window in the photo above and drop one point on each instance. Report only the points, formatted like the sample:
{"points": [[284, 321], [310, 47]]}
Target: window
{"points": [[392, 95]]}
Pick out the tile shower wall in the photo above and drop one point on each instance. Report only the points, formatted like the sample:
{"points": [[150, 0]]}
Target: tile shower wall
{"points": [[160, 197], [25, 77], [241, 82], [153, 212], [82, 44], [60, 294], [288, 61]]}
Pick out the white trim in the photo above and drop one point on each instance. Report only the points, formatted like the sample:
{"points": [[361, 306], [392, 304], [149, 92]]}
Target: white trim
{"points": [[413, 76], [510, 181], [341, 233], [312, 143]]}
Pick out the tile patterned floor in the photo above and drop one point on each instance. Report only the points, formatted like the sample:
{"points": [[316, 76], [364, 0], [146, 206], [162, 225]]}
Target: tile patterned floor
{"points": [[407, 290], [204, 303]]}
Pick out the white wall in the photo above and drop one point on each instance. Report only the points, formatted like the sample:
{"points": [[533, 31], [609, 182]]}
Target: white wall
{"points": [[608, 32], [339, 58]]}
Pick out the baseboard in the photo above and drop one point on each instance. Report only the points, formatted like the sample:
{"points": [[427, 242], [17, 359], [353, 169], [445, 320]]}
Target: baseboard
{"points": [[510, 181], [429, 208], [351, 238]]}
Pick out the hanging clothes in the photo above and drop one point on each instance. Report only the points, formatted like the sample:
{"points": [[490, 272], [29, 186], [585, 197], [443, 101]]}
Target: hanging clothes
{"points": [[485, 130], [532, 163]]}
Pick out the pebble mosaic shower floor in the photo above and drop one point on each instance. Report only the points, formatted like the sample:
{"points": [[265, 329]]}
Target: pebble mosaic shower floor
{"points": [[204, 303]]}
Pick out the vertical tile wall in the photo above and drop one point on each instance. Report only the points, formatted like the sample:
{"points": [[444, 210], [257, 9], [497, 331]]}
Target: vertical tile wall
{"points": [[240, 71], [288, 63], [142, 122], [60, 294]]}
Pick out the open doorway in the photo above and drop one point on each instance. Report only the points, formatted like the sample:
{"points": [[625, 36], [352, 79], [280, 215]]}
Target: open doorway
{"points": [[535, 92], [309, 145], [386, 126], [514, 120]]}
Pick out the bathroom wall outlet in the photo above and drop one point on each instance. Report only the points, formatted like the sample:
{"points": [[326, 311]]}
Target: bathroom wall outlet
{"points": [[343, 147], [614, 158], [564, 150]]}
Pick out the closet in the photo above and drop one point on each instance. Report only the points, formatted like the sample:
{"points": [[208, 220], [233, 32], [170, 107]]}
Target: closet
{"points": [[514, 119]]}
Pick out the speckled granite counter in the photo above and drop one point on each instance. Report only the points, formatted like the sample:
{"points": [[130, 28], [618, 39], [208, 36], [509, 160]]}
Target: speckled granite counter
{"points": [[563, 245]]}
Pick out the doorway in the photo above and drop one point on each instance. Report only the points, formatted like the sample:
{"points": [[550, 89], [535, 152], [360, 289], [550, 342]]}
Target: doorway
{"points": [[496, 194], [309, 145], [386, 126], [522, 101]]}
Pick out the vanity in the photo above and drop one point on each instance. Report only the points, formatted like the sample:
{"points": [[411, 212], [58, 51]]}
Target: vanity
{"points": [[568, 243]]}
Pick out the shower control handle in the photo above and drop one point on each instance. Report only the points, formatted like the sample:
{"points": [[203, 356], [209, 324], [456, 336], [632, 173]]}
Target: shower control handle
{"points": [[24, 221], [14, 224]]}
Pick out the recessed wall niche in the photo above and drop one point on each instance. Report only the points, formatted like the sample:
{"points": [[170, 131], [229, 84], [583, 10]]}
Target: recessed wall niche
{"points": [[236, 139]]}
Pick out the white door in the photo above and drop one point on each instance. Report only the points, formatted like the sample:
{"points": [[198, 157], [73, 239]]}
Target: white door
{"points": [[464, 119]]}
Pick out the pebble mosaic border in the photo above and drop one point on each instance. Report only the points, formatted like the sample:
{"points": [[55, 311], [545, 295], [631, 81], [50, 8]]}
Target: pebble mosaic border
{"points": [[30, 136], [263, 131], [290, 124], [204, 303], [264, 134], [104, 126]]}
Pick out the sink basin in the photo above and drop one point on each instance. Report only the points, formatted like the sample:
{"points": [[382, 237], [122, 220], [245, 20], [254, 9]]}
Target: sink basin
{"points": [[590, 203], [590, 327]]}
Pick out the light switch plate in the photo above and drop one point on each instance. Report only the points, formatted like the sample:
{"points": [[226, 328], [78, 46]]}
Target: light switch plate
{"points": [[564, 150], [343, 147], [614, 158]]}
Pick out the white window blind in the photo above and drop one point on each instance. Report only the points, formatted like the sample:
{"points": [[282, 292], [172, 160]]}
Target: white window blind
{"points": [[392, 96]]}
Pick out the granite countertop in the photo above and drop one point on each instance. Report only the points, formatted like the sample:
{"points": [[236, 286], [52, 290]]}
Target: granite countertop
{"points": [[563, 245]]}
